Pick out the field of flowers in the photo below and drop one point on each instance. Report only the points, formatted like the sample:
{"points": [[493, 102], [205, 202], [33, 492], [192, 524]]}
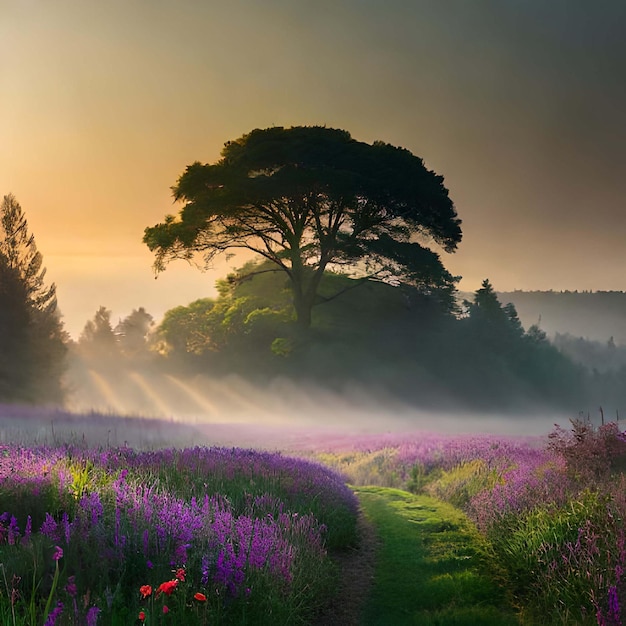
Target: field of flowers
{"points": [[552, 508], [97, 533], [179, 536]]}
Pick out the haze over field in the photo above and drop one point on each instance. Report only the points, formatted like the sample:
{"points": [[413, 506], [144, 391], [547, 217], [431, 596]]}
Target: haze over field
{"points": [[518, 105]]}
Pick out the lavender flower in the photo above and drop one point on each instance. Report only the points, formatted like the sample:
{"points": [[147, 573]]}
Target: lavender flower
{"points": [[204, 570], [54, 615], [50, 528], [614, 607], [70, 587], [14, 531], [27, 530], [92, 616]]}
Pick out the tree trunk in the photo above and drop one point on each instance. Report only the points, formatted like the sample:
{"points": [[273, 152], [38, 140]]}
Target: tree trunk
{"points": [[305, 282], [303, 306]]}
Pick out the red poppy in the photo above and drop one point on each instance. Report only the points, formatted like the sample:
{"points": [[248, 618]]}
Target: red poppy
{"points": [[145, 590], [165, 609], [167, 587], [200, 597], [142, 616], [180, 574]]}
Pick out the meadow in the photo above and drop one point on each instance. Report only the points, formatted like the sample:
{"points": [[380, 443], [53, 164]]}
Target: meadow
{"points": [[97, 532], [552, 508], [204, 535]]}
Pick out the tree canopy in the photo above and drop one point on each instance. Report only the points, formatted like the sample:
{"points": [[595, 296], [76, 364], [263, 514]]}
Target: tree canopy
{"points": [[309, 197]]}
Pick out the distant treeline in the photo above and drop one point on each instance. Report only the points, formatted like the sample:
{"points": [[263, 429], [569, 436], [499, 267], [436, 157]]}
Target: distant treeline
{"points": [[397, 341], [597, 315]]}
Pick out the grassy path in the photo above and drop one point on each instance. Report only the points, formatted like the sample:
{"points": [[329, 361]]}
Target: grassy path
{"points": [[432, 567]]}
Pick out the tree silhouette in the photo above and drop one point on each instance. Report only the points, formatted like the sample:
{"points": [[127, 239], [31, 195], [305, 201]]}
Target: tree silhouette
{"points": [[497, 324], [20, 251], [43, 349], [97, 339], [132, 333], [309, 197], [15, 347]]}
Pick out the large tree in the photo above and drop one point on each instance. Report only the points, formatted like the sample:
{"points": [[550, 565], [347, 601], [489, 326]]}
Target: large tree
{"points": [[308, 197]]}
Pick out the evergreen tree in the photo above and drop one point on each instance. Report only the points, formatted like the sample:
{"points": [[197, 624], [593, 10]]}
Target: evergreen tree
{"points": [[15, 353], [497, 326], [43, 349], [98, 339], [20, 250]]}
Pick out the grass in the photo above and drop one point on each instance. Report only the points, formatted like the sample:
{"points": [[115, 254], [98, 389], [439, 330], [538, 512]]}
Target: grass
{"points": [[433, 568]]}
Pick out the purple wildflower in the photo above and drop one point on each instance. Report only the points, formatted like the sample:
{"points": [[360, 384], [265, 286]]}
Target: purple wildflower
{"points": [[28, 530], [54, 615], [58, 553], [70, 588], [65, 524], [49, 527], [14, 531], [614, 607], [92, 616], [204, 570]]}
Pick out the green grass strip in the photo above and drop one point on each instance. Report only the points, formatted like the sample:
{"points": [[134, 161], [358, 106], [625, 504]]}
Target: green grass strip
{"points": [[432, 566]]}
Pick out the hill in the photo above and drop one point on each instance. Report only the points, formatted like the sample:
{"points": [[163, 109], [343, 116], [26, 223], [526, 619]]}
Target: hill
{"points": [[596, 315]]}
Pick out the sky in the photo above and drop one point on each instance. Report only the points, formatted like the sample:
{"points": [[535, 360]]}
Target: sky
{"points": [[519, 104]]}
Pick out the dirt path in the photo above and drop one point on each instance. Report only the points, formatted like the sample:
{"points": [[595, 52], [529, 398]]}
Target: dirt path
{"points": [[356, 570]]}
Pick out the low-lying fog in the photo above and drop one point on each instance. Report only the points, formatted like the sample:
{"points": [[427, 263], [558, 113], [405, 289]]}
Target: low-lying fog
{"points": [[153, 409]]}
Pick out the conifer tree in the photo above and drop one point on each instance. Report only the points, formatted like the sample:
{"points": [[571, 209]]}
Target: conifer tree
{"points": [[15, 353], [42, 350]]}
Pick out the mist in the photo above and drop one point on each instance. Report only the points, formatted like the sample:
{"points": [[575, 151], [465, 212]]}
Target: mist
{"points": [[232, 410]]}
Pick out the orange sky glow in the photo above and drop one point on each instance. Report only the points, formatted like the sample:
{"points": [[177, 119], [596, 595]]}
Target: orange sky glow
{"points": [[105, 103]]}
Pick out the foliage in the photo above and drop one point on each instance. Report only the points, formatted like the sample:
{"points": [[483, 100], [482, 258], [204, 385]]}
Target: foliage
{"points": [[133, 334], [461, 483], [308, 197], [591, 454], [546, 375], [242, 318], [129, 342], [19, 248], [601, 356], [595, 315]]}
